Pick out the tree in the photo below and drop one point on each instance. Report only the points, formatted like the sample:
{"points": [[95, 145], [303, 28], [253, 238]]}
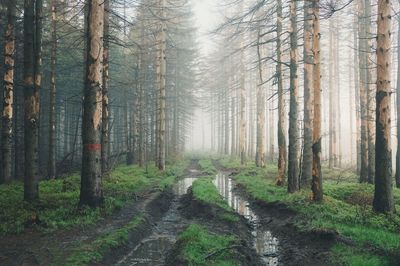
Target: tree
{"points": [[398, 107], [293, 163], [91, 188], [161, 72], [105, 131], [280, 180], [53, 90], [260, 154], [8, 98], [32, 83], [316, 187], [306, 172], [383, 196]]}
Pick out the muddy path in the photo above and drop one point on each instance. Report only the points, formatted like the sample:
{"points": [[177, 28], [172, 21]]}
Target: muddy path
{"points": [[276, 238], [160, 247], [35, 247], [154, 247]]}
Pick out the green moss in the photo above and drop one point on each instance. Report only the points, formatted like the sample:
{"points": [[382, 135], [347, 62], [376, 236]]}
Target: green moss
{"points": [[94, 251], [198, 243]]}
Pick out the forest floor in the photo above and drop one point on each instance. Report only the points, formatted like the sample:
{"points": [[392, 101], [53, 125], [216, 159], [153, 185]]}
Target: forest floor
{"points": [[200, 212], [343, 229]]}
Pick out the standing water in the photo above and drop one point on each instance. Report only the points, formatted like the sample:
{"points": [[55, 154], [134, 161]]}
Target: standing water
{"points": [[153, 250], [265, 244]]}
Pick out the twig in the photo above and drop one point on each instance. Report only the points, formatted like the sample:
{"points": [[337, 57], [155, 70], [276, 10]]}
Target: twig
{"points": [[219, 251]]}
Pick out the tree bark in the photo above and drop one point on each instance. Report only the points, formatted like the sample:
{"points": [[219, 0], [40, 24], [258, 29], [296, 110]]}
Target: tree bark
{"points": [[105, 131], [383, 196], [280, 180], [398, 107], [293, 159], [316, 187], [91, 177], [161, 82], [260, 150], [306, 172], [8, 97], [363, 94], [32, 84], [53, 90], [370, 93]]}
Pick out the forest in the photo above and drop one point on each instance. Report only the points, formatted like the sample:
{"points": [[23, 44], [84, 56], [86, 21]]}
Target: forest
{"points": [[184, 132]]}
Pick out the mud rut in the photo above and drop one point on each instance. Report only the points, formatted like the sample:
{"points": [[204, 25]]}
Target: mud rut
{"points": [[156, 248]]}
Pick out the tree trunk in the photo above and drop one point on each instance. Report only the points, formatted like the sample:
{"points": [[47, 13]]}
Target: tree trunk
{"points": [[383, 197], [293, 159], [370, 93], [233, 130], [260, 150], [398, 106], [8, 97], [332, 98], [363, 94], [105, 131], [161, 83], [316, 187], [242, 133], [52, 112], [32, 84], [306, 172], [91, 187], [280, 180]]}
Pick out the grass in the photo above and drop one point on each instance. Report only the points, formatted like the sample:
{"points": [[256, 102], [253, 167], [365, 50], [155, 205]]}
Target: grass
{"points": [[57, 207], [198, 243], [346, 209], [205, 191], [207, 167], [94, 251]]}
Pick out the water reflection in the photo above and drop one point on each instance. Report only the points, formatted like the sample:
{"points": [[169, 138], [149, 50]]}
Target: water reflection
{"points": [[265, 243], [182, 186]]}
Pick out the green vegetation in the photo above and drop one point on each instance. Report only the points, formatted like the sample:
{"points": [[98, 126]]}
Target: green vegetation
{"points": [[94, 251], [207, 167], [57, 207], [346, 209], [201, 247], [205, 191]]}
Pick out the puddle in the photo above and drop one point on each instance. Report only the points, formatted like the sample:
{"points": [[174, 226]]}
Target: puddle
{"points": [[265, 244], [153, 250]]}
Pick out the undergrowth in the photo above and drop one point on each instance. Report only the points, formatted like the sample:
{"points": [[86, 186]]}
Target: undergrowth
{"points": [[201, 247], [346, 209], [57, 207]]}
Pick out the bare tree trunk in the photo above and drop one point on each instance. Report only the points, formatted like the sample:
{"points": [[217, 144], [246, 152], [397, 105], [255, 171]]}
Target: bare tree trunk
{"points": [[233, 130], [293, 159], [8, 97], [105, 131], [242, 133], [52, 112], [357, 94], [260, 150], [280, 180], [161, 79], [363, 95], [383, 196], [398, 106], [370, 93], [306, 172], [32, 82], [332, 98], [316, 187], [91, 178]]}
